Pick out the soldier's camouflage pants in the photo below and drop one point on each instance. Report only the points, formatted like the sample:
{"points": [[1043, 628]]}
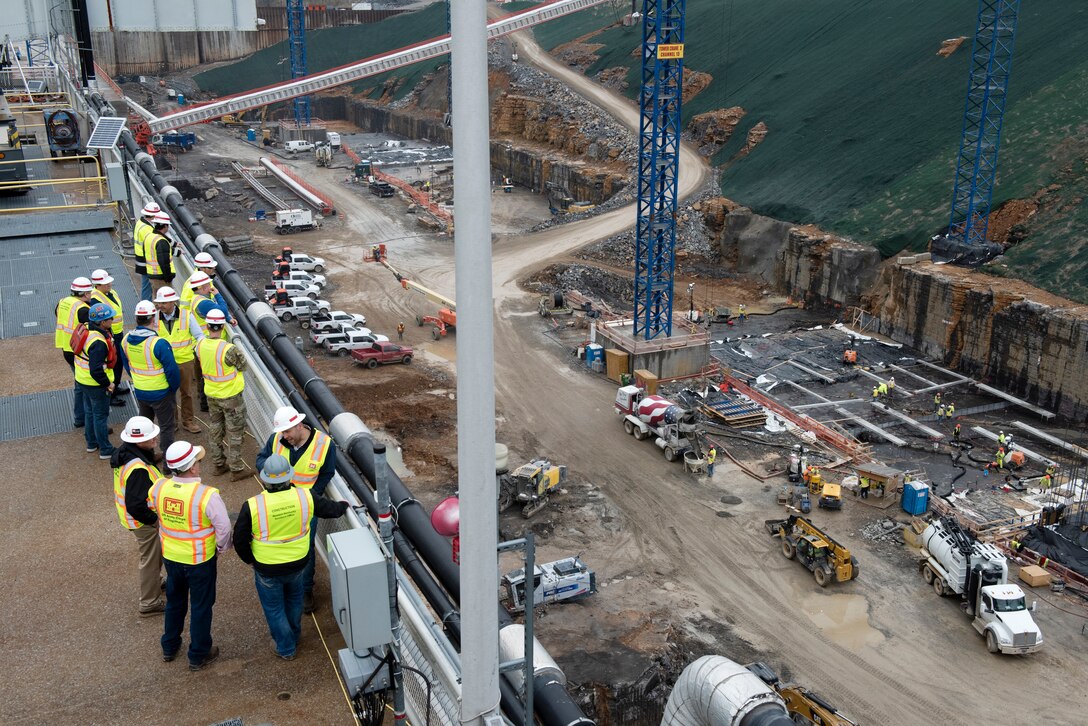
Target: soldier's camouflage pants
{"points": [[228, 417]]}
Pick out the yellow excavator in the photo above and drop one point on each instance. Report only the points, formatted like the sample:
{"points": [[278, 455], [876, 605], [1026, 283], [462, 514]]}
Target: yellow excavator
{"points": [[530, 485], [802, 540], [804, 706]]}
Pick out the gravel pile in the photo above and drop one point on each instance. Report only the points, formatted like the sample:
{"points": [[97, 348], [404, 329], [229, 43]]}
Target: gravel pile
{"points": [[614, 290]]}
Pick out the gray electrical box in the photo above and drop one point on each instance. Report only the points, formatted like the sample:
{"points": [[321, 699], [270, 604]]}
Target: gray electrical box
{"points": [[366, 670], [360, 589], [115, 179]]}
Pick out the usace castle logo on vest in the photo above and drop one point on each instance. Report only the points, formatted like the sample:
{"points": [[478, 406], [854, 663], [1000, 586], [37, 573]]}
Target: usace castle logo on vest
{"points": [[174, 506]]}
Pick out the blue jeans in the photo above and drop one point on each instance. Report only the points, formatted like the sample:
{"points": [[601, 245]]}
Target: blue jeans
{"points": [[145, 288], [185, 584], [281, 599], [308, 570], [96, 415]]}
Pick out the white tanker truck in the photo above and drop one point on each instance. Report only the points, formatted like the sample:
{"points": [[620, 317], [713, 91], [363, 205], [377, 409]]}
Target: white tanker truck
{"points": [[672, 427], [978, 573]]}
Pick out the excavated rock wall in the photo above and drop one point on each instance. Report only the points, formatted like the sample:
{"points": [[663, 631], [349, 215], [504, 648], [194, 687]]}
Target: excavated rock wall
{"points": [[802, 261], [1025, 341], [526, 167]]}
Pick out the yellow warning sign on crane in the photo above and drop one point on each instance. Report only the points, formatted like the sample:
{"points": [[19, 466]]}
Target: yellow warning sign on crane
{"points": [[669, 51]]}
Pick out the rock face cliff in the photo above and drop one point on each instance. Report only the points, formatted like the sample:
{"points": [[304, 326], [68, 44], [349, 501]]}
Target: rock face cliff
{"points": [[1016, 337], [531, 168]]}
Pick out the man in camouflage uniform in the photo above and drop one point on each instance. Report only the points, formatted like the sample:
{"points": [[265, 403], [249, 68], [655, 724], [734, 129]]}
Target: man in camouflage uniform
{"points": [[221, 365]]}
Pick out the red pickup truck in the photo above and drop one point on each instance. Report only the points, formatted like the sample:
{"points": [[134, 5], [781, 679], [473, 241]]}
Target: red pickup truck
{"points": [[382, 353]]}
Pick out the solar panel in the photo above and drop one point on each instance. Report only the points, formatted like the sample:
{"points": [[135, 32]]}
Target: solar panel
{"points": [[106, 132]]}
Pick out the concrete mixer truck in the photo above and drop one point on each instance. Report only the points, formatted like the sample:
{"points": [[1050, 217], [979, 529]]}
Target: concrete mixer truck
{"points": [[672, 427], [957, 564]]}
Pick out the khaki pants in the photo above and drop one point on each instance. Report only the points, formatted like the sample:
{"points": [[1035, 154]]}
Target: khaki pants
{"points": [[147, 542], [228, 421], [157, 283], [186, 393]]}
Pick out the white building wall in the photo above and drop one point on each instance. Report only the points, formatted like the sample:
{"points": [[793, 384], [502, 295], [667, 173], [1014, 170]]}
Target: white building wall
{"points": [[172, 15]]}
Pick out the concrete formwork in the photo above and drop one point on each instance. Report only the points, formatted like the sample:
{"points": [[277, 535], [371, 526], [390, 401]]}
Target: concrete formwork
{"points": [[684, 354]]}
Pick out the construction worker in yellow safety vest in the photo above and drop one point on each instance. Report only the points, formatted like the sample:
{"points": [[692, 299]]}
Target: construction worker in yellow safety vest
{"points": [[863, 487], [950, 411], [135, 470], [940, 411], [193, 528], [221, 365], [956, 432], [274, 534], [205, 264], [71, 311], [1000, 458], [1001, 439], [876, 392], [710, 457], [155, 374], [104, 293], [937, 399], [891, 383], [93, 370], [742, 312], [312, 455], [140, 232], [882, 389], [159, 253], [178, 327]]}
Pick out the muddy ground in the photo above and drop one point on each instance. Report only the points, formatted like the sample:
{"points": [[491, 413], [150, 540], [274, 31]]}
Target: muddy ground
{"points": [[683, 562]]}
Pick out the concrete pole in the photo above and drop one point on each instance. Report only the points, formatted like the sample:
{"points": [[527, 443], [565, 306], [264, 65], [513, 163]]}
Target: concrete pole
{"points": [[475, 365]]}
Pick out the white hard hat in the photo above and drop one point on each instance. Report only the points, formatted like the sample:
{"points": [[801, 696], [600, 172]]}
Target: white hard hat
{"points": [[138, 429], [101, 277], [82, 284], [216, 317], [151, 209], [286, 418], [182, 455], [204, 260], [145, 308], [161, 218], [165, 295], [198, 279]]}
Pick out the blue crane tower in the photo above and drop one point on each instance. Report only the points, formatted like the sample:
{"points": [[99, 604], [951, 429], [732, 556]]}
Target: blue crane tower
{"points": [[658, 164], [976, 164], [296, 43]]}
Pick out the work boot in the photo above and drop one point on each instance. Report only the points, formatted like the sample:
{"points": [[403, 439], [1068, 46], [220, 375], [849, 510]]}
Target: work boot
{"points": [[221, 469], [308, 605], [117, 402], [208, 659], [239, 474], [169, 657], [157, 607], [121, 389], [192, 428]]}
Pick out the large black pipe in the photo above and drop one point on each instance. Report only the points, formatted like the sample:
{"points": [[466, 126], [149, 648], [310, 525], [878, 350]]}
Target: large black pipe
{"points": [[553, 704]]}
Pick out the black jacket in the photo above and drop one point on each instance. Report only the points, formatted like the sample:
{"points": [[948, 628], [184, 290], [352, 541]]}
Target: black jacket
{"points": [[243, 536], [139, 484]]}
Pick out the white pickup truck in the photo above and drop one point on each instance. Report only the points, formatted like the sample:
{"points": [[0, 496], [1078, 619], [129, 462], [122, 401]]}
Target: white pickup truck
{"points": [[307, 263], [306, 278], [338, 319], [350, 340], [300, 307], [294, 288]]}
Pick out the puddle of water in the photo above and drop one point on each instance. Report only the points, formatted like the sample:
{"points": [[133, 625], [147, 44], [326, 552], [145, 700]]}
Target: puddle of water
{"points": [[844, 619]]}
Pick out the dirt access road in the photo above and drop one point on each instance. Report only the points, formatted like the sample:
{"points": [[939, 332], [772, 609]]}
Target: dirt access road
{"points": [[674, 552]]}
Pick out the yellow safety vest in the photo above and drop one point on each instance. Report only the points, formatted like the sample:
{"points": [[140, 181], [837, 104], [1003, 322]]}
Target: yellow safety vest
{"points": [[186, 532], [139, 235], [187, 293], [120, 482], [194, 301], [711, 456], [180, 339], [281, 525], [67, 320], [310, 462], [83, 363], [220, 379], [151, 245], [147, 371], [118, 326]]}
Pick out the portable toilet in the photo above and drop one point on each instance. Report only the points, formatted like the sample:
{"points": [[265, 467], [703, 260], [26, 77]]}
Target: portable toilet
{"points": [[594, 352], [251, 135], [915, 497], [181, 99]]}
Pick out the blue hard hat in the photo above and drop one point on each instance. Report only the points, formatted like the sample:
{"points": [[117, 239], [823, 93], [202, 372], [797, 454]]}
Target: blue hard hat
{"points": [[100, 312]]}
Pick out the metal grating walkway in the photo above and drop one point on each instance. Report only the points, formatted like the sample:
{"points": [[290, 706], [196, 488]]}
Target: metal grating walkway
{"points": [[44, 414], [39, 257]]}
